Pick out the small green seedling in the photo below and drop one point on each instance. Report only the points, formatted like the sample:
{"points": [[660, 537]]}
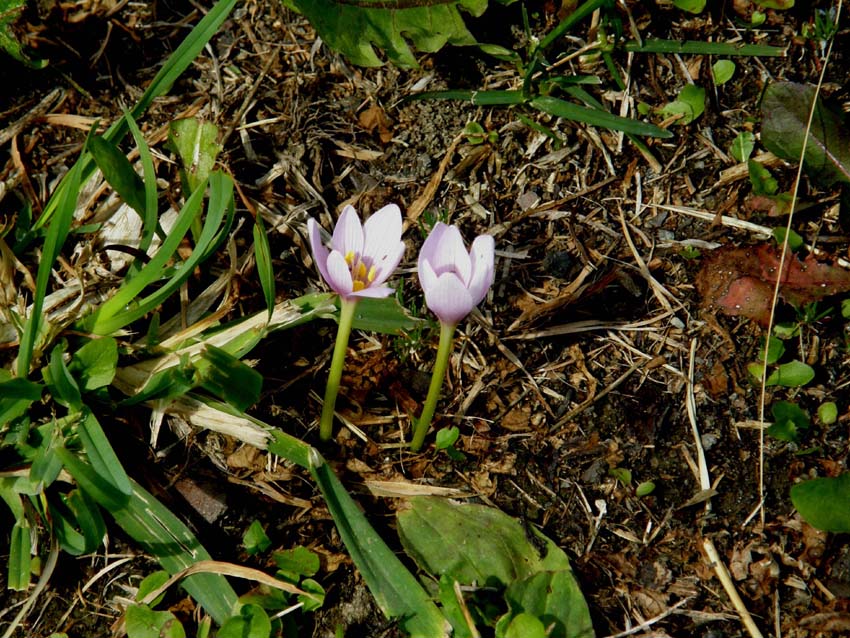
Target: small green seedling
{"points": [[742, 146], [722, 71], [623, 475], [254, 540], [446, 439], [828, 413], [689, 105], [645, 489], [790, 420], [475, 134], [795, 242]]}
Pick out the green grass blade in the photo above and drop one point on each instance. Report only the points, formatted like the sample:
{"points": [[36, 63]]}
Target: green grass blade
{"points": [[478, 98], [395, 589], [697, 47], [164, 536], [149, 217], [265, 268], [118, 172], [570, 21], [118, 312], [20, 559], [101, 455], [596, 117], [176, 64], [56, 235], [98, 487]]}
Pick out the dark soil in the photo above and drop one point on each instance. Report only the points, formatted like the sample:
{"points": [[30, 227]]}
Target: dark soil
{"points": [[541, 437]]}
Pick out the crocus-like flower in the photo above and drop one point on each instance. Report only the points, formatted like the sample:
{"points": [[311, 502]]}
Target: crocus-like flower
{"points": [[361, 256], [454, 280], [360, 259]]}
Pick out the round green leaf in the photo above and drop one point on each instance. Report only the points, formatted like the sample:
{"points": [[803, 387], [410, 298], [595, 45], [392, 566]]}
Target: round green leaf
{"points": [[824, 502], [723, 70]]}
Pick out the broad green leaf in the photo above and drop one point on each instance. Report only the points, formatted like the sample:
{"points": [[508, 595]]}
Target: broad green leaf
{"points": [[100, 489], [20, 558], [94, 363], [10, 11], [118, 172], [525, 625], [690, 104], [383, 315], [775, 350], [555, 599], [195, 144], [395, 589], [742, 146], [691, 6], [252, 622], [254, 540], [353, 28], [472, 543], [451, 608], [297, 562], [143, 622], [793, 374], [596, 117], [722, 71], [645, 488], [824, 502], [18, 394], [785, 113], [314, 597]]}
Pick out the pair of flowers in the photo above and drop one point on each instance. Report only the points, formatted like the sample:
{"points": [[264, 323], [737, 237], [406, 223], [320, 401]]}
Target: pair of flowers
{"points": [[361, 258]]}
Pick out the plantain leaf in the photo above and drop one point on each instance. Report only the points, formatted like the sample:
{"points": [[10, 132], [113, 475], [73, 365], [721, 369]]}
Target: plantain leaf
{"points": [[785, 111], [354, 27]]}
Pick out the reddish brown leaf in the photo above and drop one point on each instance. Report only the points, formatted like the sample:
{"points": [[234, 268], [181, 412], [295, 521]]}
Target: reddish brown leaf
{"points": [[740, 281]]}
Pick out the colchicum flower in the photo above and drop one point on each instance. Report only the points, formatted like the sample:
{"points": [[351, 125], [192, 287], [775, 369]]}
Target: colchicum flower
{"points": [[360, 259], [454, 282]]}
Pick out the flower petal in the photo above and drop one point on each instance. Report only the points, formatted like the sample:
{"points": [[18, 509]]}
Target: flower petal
{"points": [[450, 255], [427, 276], [449, 299], [320, 252], [432, 242], [385, 268], [339, 275], [483, 270], [348, 233], [376, 292], [382, 232]]}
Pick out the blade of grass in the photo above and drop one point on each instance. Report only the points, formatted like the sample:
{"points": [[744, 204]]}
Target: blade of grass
{"points": [[265, 269], [697, 47], [395, 589], [173, 68], [164, 536], [150, 216], [596, 117], [56, 235], [478, 98]]}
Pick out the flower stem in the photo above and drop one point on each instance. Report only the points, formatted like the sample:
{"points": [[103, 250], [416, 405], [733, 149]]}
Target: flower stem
{"points": [[447, 332], [346, 317]]}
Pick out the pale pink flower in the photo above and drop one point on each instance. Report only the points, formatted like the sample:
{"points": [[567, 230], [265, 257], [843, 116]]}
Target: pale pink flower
{"points": [[454, 280], [361, 257]]}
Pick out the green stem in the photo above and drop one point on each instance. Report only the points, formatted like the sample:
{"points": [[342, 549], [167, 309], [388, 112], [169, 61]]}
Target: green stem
{"points": [[447, 333], [346, 317]]}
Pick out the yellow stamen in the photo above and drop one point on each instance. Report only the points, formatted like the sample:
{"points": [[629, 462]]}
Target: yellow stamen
{"points": [[349, 258], [357, 286], [361, 271], [371, 276]]}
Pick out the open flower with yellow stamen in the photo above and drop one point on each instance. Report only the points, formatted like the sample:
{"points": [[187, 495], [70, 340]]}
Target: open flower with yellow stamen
{"points": [[360, 259], [361, 256]]}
